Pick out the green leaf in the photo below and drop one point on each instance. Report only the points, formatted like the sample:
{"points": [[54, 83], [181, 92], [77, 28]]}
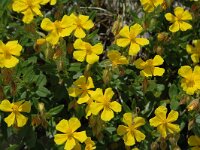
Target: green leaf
{"points": [[43, 92], [55, 110], [173, 91]]}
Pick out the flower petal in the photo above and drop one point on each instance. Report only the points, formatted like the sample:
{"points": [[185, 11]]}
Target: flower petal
{"points": [[80, 136], [124, 32], [138, 121], [160, 112], [95, 108], [170, 17], [21, 119], [184, 26], [157, 60], [174, 27], [123, 42], [139, 63], [53, 37], [129, 139], [142, 41], [109, 93], [74, 91], [60, 138], [193, 140], [79, 44], [107, 114], [10, 120], [10, 63], [162, 129], [178, 11], [79, 55], [155, 121], [186, 15], [83, 98], [70, 144], [25, 107], [92, 58], [121, 130], [115, 106], [28, 16], [6, 106], [173, 128], [14, 48], [139, 136], [128, 118], [74, 124], [135, 30], [47, 24], [172, 116], [63, 126], [97, 48], [158, 71], [134, 49], [90, 83], [79, 33], [184, 71]]}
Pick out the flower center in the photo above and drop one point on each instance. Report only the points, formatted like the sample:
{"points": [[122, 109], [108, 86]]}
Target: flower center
{"points": [[15, 108], [78, 23], [88, 49], [29, 3], [106, 103], [190, 83], [6, 53], [58, 26]]}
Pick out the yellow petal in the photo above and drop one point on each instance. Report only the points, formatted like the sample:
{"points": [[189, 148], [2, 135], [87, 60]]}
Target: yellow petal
{"points": [[28, 16], [123, 42], [115, 106], [96, 108], [135, 30], [121, 130], [97, 95], [158, 71], [60, 138], [74, 92], [19, 6], [142, 41], [197, 70], [74, 124], [186, 15], [148, 7], [193, 140], [47, 24], [36, 10], [63, 126], [92, 58], [66, 31], [184, 26], [170, 17], [147, 72], [70, 144], [25, 107], [14, 48], [138, 121], [21, 119], [174, 27], [53, 37], [158, 2], [160, 112], [134, 49], [90, 83], [83, 98], [107, 114], [155, 121], [184, 71], [79, 44], [195, 58], [6, 106], [53, 2], [139, 136], [157, 60], [162, 129], [83, 18], [88, 25], [173, 128], [172, 116], [178, 11], [139, 63], [81, 81], [79, 55], [97, 48], [80, 136], [10, 63], [124, 32], [10, 120], [129, 139], [109, 93], [128, 118], [79, 33]]}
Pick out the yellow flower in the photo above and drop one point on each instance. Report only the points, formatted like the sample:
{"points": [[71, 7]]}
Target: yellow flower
{"points": [[81, 88], [86, 51], [129, 37], [194, 50], [52, 2], [80, 23], [149, 67], [130, 132], [116, 58], [15, 118], [29, 8], [150, 5], [56, 29], [90, 145], [179, 20], [194, 141], [7, 53], [191, 79], [164, 124], [68, 135], [103, 102], [88, 108]]}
